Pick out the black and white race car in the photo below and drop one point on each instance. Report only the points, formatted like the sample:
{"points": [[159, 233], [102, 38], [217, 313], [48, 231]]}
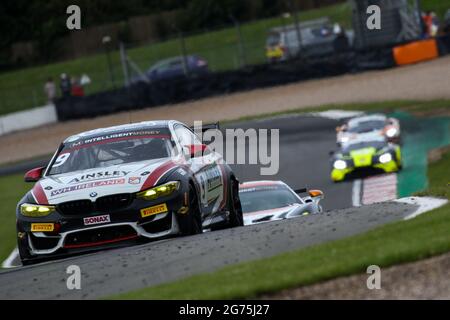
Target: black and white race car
{"points": [[369, 127], [264, 201], [116, 185]]}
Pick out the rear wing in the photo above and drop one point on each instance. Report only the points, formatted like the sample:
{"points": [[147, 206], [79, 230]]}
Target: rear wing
{"points": [[300, 191], [211, 126]]}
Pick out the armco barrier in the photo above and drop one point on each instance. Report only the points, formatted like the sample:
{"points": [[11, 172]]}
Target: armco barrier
{"points": [[28, 119], [143, 95]]}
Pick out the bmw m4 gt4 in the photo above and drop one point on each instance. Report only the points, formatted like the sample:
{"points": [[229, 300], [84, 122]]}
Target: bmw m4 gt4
{"points": [[114, 186]]}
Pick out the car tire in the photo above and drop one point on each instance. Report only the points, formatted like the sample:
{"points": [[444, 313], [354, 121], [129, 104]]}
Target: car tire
{"points": [[190, 223], [236, 218], [24, 255]]}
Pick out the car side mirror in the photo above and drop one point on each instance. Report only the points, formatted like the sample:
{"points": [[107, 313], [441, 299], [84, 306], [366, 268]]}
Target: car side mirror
{"points": [[316, 194], [34, 175], [196, 150]]}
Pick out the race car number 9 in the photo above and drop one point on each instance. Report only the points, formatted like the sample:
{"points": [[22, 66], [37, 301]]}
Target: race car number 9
{"points": [[61, 159]]}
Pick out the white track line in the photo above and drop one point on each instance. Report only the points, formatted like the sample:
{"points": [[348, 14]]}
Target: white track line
{"points": [[8, 263], [356, 193], [425, 204], [337, 114]]}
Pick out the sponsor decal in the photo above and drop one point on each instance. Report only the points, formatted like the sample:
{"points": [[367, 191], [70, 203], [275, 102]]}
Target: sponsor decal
{"points": [[260, 188], [87, 186], [99, 175], [145, 173], [160, 208], [62, 158], [42, 227], [119, 135], [134, 180], [96, 220]]}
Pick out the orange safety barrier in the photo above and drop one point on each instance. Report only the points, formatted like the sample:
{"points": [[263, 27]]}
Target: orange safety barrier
{"points": [[416, 52]]}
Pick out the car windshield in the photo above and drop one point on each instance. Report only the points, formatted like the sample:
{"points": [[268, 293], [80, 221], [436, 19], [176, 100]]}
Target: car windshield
{"points": [[113, 149], [367, 126], [258, 199], [378, 144]]}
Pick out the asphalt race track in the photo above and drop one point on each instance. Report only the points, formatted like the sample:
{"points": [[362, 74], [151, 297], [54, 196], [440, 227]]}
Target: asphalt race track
{"points": [[120, 270], [305, 142]]}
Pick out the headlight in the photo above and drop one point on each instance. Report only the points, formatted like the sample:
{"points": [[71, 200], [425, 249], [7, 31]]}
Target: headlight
{"points": [[340, 164], [34, 210], [391, 132], [159, 191], [385, 158]]}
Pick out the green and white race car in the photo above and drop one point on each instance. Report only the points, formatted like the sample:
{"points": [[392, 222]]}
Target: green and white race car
{"points": [[375, 155]]}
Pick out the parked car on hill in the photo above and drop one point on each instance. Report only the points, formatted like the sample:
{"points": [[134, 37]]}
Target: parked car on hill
{"points": [[173, 68], [318, 37]]}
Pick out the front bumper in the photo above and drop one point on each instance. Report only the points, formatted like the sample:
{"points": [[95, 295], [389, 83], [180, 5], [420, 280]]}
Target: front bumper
{"points": [[100, 236], [72, 234], [389, 167]]}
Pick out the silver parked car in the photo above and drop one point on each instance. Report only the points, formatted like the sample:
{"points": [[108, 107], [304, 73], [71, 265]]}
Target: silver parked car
{"points": [[318, 37]]}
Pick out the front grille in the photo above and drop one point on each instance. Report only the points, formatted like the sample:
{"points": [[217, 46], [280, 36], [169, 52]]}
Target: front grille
{"points": [[76, 207], [102, 204], [99, 236], [113, 202]]}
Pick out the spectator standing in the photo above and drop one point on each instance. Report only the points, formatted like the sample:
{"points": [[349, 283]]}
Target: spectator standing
{"points": [[431, 23], [77, 88], [66, 86], [50, 90]]}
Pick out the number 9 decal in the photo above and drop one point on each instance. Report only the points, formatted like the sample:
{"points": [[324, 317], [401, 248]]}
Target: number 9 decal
{"points": [[61, 159]]}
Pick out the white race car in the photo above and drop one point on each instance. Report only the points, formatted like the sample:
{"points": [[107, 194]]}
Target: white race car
{"points": [[274, 200], [117, 185], [369, 127]]}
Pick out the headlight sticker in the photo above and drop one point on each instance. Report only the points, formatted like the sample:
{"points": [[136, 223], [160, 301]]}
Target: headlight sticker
{"points": [[42, 227], [160, 208]]}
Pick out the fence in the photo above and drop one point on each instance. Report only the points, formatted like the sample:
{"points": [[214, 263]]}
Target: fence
{"points": [[231, 47]]}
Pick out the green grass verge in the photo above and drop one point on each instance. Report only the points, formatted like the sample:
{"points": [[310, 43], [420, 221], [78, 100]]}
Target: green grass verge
{"points": [[23, 89], [439, 178], [391, 244], [12, 189]]}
